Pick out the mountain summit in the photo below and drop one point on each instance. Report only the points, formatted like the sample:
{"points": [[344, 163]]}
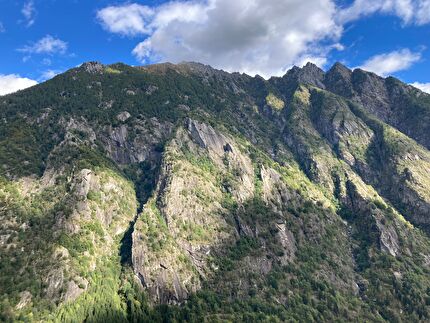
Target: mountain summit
{"points": [[170, 193]]}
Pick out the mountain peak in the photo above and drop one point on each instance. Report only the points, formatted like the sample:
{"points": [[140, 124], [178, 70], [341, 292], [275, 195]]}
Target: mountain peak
{"points": [[311, 67], [338, 79], [339, 67], [308, 74]]}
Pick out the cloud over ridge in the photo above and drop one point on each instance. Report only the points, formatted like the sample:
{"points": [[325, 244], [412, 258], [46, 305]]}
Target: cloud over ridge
{"points": [[256, 36], [384, 64], [128, 19], [12, 82], [425, 87]]}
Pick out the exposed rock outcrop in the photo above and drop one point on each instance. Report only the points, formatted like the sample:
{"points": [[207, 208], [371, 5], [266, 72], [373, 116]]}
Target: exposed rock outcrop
{"points": [[93, 67], [25, 299], [144, 145], [187, 205], [123, 116], [225, 154]]}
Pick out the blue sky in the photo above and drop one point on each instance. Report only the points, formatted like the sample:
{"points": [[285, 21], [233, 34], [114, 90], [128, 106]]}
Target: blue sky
{"points": [[40, 38]]}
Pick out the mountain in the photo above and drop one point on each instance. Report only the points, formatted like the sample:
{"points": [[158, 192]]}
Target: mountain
{"points": [[185, 193]]}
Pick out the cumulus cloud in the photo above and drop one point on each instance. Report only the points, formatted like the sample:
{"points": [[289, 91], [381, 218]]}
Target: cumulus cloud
{"points": [[423, 12], [263, 37], [13, 82], [410, 11], [425, 87], [384, 64], [29, 11], [253, 36], [46, 45], [129, 19]]}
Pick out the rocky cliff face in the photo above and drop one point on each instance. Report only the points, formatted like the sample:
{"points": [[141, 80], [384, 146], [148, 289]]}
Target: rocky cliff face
{"points": [[182, 193]]}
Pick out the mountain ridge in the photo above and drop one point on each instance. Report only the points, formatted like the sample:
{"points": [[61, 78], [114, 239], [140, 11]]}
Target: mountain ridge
{"points": [[181, 192]]}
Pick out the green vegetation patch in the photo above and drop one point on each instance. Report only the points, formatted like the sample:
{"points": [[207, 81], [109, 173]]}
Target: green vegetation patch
{"points": [[274, 102], [111, 70]]}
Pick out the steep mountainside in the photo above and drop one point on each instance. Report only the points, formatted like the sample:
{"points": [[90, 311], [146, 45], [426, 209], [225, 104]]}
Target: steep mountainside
{"points": [[185, 193]]}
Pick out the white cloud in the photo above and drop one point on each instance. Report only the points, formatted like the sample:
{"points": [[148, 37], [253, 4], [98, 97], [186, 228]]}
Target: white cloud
{"points": [[395, 61], [13, 82], [338, 46], [410, 11], [46, 45], [317, 60], [129, 19], [2, 29], [423, 12], [46, 61], [29, 11], [49, 74], [425, 87], [253, 36]]}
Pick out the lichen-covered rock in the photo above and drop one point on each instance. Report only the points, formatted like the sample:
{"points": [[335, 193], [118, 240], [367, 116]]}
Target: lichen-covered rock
{"points": [[78, 128], [389, 239], [93, 67], [73, 289], [123, 116], [187, 210], [151, 89], [225, 154], [173, 237], [25, 299], [84, 181], [288, 243], [274, 189], [144, 145], [54, 281]]}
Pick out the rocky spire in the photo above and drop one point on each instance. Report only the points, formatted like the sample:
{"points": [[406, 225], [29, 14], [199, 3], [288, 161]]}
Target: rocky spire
{"points": [[308, 74], [338, 79]]}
